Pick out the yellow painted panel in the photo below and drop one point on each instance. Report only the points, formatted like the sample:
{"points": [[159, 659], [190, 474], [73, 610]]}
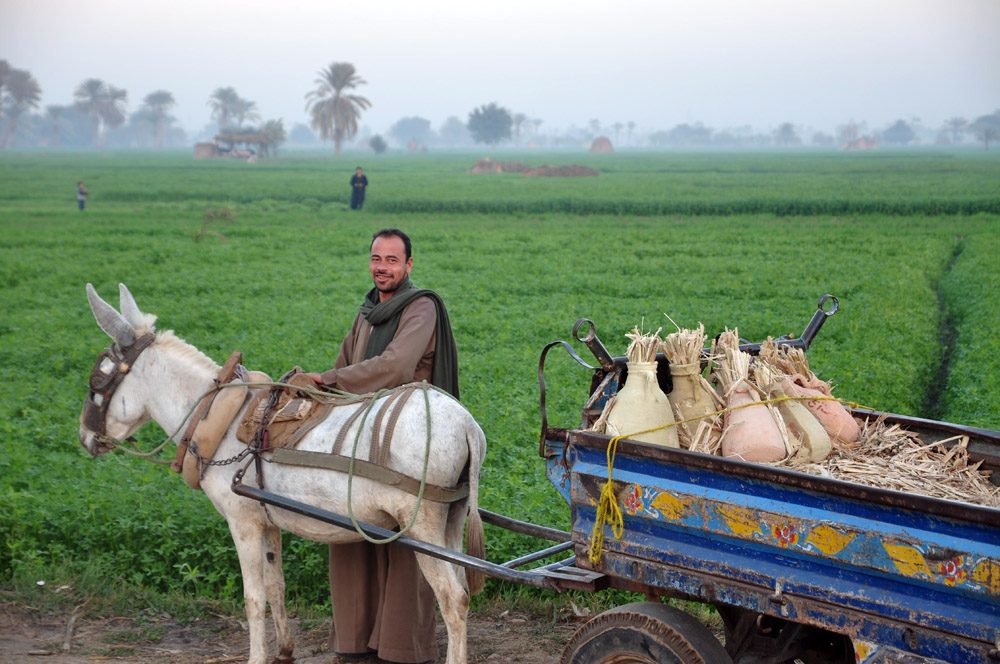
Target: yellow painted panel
{"points": [[907, 560], [987, 572], [672, 507], [741, 521], [829, 540]]}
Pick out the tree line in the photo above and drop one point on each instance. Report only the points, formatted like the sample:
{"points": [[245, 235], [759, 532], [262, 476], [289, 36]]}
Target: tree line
{"points": [[98, 117]]}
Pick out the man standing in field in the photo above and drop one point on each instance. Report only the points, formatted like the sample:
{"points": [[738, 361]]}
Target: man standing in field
{"points": [[401, 334], [358, 183], [81, 195]]}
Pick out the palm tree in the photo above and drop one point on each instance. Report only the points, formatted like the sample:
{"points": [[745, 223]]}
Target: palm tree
{"points": [[20, 93], [103, 103], [55, 115], [335, 114], [519, 120], [956, 126], [245, 110], [225, 103], [5, 69], [157, 104]]}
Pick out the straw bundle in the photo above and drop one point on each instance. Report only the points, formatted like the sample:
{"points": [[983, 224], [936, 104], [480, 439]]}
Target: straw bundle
{"points": [[644, 346], [692, 398], [890, 457]]}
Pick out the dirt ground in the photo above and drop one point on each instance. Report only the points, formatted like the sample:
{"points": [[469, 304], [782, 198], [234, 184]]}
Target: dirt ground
{"points": [[74, 638]]}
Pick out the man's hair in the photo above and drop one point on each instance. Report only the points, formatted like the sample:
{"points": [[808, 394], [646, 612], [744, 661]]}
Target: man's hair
{"points": [[394, 232]]}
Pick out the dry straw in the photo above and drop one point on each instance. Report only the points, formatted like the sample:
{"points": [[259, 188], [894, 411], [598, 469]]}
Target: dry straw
{"points": [[890, 457], [644, 346]]}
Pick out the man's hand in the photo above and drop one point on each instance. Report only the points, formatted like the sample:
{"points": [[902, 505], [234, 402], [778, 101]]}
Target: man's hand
{"points": [[316, 378]]}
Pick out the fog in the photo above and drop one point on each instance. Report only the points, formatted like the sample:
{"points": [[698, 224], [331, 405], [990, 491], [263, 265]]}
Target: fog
{"points": [[657, 64]]}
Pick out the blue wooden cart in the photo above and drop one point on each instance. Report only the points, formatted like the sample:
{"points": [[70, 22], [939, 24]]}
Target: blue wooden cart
{"points": [[800, 568]]}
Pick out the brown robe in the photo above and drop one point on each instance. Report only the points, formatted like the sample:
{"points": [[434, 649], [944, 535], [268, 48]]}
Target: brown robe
{"points": [[381, 601]]}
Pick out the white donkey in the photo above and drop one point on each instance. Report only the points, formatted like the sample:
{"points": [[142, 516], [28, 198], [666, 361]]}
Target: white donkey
{"points": [[165, 381]]}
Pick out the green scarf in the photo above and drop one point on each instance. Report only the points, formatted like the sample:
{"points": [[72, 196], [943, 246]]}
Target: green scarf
{"points": [[384, 318]]}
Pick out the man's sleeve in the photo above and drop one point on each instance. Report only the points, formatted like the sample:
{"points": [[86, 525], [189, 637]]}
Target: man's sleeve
{"points": [[398, 363]]}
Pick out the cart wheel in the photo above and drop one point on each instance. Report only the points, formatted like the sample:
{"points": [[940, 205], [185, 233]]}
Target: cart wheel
{"points": [[644, 633]]}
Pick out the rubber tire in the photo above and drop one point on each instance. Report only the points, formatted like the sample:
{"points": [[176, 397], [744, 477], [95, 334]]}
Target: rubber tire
{"points": [[644, 633]]}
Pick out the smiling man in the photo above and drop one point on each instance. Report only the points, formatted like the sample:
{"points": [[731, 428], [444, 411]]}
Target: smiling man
{"points": [[381, 602]]}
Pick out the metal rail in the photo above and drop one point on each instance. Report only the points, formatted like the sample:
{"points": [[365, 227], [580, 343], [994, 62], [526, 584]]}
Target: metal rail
{"points": [[557, 576]]}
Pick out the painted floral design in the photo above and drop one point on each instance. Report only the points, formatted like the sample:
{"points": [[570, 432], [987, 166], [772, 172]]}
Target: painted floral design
{"points": [[633, 500], [953, 571], [786, 534]]}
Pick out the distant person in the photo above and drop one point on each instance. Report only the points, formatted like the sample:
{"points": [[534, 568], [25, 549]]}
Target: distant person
{"points": [[81, 194], [358, 183]]}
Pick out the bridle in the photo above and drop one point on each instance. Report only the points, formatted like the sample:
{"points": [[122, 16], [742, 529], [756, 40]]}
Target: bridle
{"points": [[110, 369]]}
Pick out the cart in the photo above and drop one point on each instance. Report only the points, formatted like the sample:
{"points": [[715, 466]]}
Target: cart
{"points": [[799, 567]]}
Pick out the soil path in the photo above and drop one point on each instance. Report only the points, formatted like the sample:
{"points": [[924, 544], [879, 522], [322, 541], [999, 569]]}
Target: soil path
{"points": [[28, 638]]}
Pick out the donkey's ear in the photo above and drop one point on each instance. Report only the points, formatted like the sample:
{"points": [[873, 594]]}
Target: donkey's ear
{"points": [[109, 320], [130, 310]]}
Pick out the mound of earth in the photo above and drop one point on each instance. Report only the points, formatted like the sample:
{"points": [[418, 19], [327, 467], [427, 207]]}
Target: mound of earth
{"points": [[602, 144], [493, 166], [561, 172]]}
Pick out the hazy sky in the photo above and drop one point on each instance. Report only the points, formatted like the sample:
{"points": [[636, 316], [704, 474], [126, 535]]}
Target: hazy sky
{"points": [[725, 63]]}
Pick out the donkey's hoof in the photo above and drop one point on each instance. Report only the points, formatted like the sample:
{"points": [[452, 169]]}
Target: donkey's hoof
{"points": [[281, 659]]}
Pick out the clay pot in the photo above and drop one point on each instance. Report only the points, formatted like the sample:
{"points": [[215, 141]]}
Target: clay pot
{"points": [[750, 433], [641, 405], [838, 423], [810, 441], [690, 398]]}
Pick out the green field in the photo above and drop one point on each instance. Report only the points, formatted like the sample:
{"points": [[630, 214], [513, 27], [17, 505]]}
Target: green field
{"points": [[908, 242]]}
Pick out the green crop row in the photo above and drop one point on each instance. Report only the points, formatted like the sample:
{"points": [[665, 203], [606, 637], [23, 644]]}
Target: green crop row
{"points": [[282, 282], [971, 288], [705, 184]]}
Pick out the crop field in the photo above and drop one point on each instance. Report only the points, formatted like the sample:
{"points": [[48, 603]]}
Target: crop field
{"points": [[908, 242]]}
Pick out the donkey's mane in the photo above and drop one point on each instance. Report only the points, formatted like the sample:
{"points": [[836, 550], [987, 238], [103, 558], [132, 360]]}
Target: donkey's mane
{"points": [[170, 341]]}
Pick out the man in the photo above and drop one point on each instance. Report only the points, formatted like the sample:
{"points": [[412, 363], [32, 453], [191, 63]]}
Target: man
{"points": [[381, 602], [81, 195], [358, 183]]}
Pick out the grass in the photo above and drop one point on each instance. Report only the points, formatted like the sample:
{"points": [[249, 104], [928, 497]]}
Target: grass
{"points": [[518, 261]]}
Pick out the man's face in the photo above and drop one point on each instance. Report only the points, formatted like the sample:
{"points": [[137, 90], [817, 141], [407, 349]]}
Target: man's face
{"points": [[389, 265]]}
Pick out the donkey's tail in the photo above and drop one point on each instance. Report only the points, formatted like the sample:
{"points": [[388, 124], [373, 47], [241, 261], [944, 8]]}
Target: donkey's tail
{"points": [[475, 544]]}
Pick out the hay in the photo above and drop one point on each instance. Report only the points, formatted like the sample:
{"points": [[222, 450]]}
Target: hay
{"points": [[602, 145], [734, 364], [684, 346], [890, 457], [560, 172], [644, 346], [492, 166]]}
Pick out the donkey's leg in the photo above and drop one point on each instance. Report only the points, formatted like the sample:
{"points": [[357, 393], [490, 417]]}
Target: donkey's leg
{"points": [[248, 535], [447, 581], [274, 585]]}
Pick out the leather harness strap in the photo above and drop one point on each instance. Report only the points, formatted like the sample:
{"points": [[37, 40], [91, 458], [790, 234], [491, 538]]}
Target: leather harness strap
{"points": [[370, 471], [379, 451], [338, 444], [225, 375], [105, 380]]}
